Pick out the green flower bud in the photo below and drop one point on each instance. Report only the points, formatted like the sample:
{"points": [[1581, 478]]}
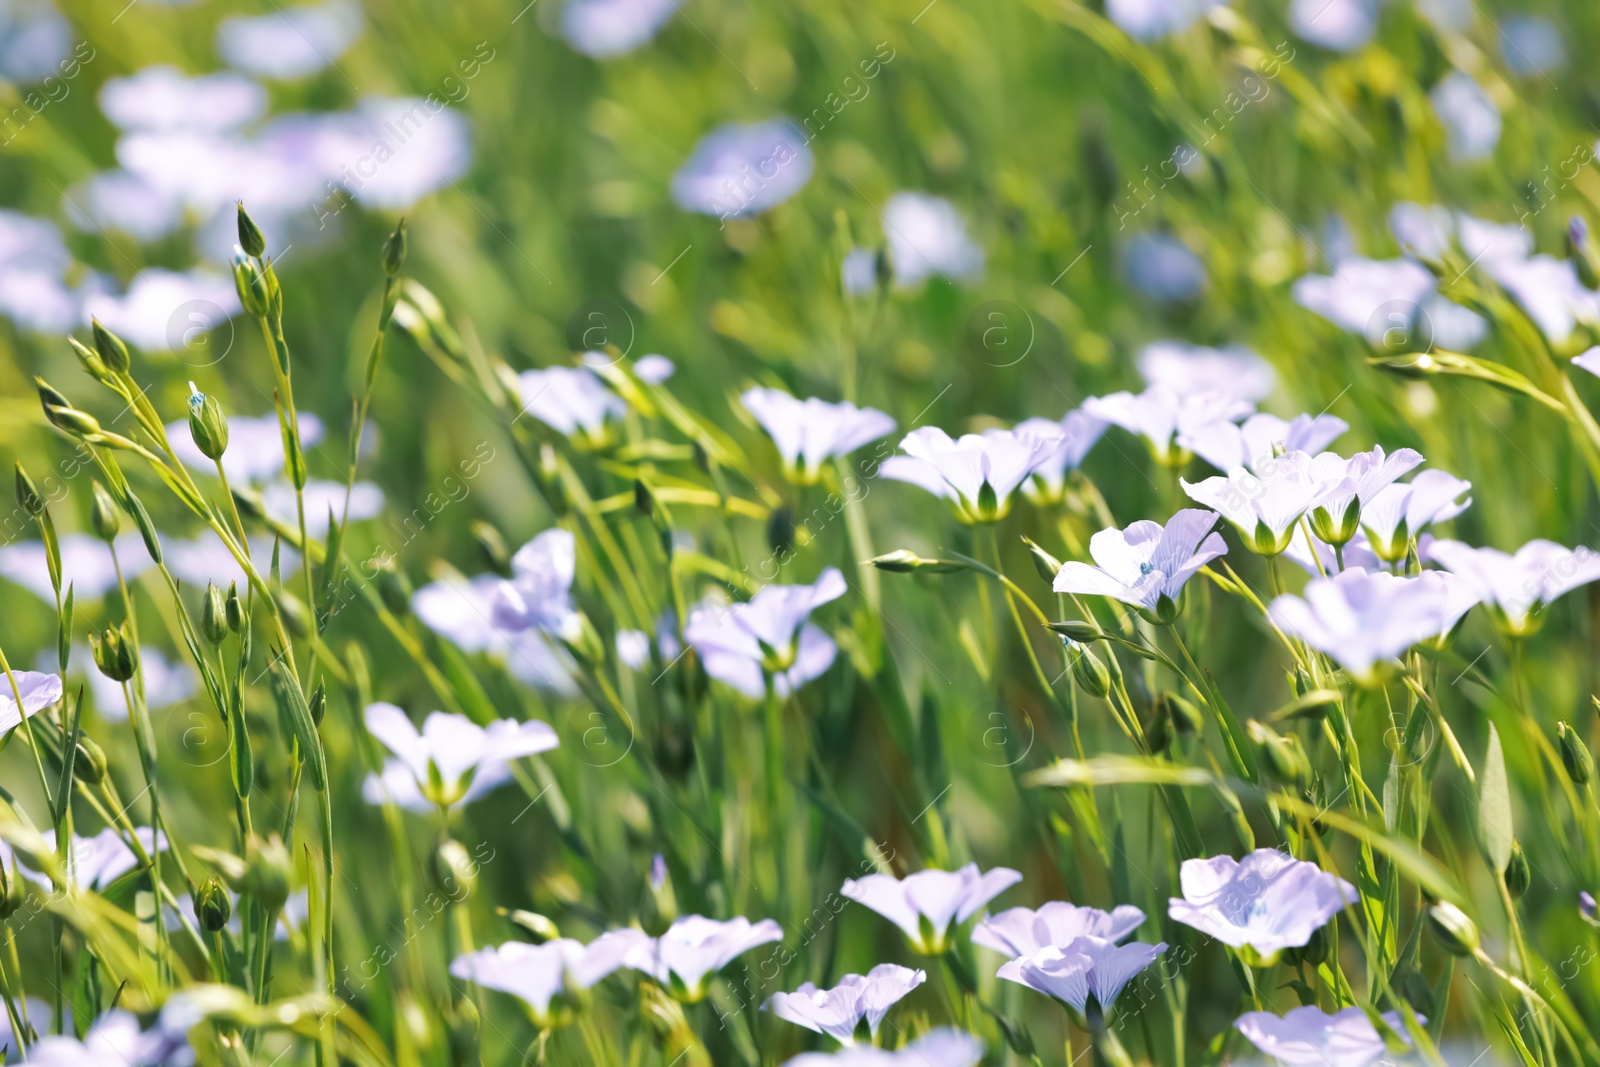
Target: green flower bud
{"points": [[1575, 754], [207, 425], [904, 561], [1281, 756], [89, 765], [266, 873], [1087, 670], [540, 926], [49, 395], [394, 250], [72, 421], [1157, 734], [1186, 718], [213, 615], [780, 531], [1409, 985], [114, 653], [1078, 630], [105, 516], [1046, 564], [454, 870], [1455, 931], [234, 609], [113, 353], [658, 908], [28, 497], [1519, 872], [1315, 950], [492, 547], [318, 704], [212, 906], [92, 363], [251, 286], [250, 238], [10, 891]]}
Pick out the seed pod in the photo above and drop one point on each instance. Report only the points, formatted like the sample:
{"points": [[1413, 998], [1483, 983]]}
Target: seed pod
{"points": [[212, 906], [113, 353], [213, 615], [207, 424], [1087, 670], [90, 763], [250, 238], [1575, 754], [1519, 872], [104, 515], [1455, 931], [234, 609]]}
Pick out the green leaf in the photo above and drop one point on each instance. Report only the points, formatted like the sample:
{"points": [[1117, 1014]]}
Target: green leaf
{"points": [[242, 758], [292, 703], [1495, 829], [64, 632]]}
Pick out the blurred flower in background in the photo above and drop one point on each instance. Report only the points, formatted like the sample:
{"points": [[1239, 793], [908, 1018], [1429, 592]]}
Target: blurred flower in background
{"points": [[744, 169], [605, 28], [291, 42], [1471, 119], [928, 236]]}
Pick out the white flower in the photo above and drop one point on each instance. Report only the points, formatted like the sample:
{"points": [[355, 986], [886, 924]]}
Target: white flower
{"points": [[290, 43], [1347, 484], [1074, 435], [1518, 588], [38, 691], [810, 432], [1400, 512], [653, 369], [1359, 287], [944, 1047], [1549, 291], [924, 904], [1150, 20], [1147, 564], [928, 236], [113, 1041], [539, 594], [1163, 416], [86, 565], [1589, 361], [1226, 445], [536, 974], [1087, 967], [207, 559], [1310, 1037], [34, 40], [452, 752], [255, 447], [1470, 117], [838, 1011], [1163, 268], [1025, 931], [1531, 45], [163, 98], [693, 949], [1267, 902], [461, 611], [1188, 369], [767, 636], [164, 311], [976, 473], [605, 28], [1362, 618], [633, 649], [744, 169], [1337, 25], [1263, 506], [572, 400]]}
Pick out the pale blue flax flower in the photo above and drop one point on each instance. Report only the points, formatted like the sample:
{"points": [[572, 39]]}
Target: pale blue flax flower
{"points": [[1147, 564], [926, 903], [839, 1011], [810, 432]]}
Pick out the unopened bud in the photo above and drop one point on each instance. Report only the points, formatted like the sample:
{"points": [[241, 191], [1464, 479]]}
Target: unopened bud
{"points": [[266, 873], [1087, 670], [1575, 754], [251, 286], [234, 609], [92, 363], [207, 425], [1186, 718], [213, 615], [318, 704], [1519, 872], [1046, 564], [10, 891], [250, 238], [1455, 931], [104, 514], [659, 906], [113, 353], [394, 250], [394, 588], [1078, 630], [1280, 756], [780, 531], [1409, 985], [114, 653], [904, 561], [89, 765]]}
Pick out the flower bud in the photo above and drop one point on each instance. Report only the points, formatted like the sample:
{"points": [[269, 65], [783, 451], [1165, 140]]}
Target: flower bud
{"points": [[492, 547], [780, 531], [10, 891], [251, 286], [250, 238], [1157, 732], [1280, 756], [1186, 718], [113, 353], [904, 561], [1078, 630], [659, 906], [213, 615], [1046, 564], [71, 420], [1455, 931], [454, 870], [207, 425], [1409, 985], [1575, 754], [212, 906], [91, 362], [394, 250], [89, 765], [114, 653], [234, 609], [104, 514], [1087, 670], [1519, 872], [394, 588], [28, 497], [318, 704], [266, 873], [542, 927]]}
